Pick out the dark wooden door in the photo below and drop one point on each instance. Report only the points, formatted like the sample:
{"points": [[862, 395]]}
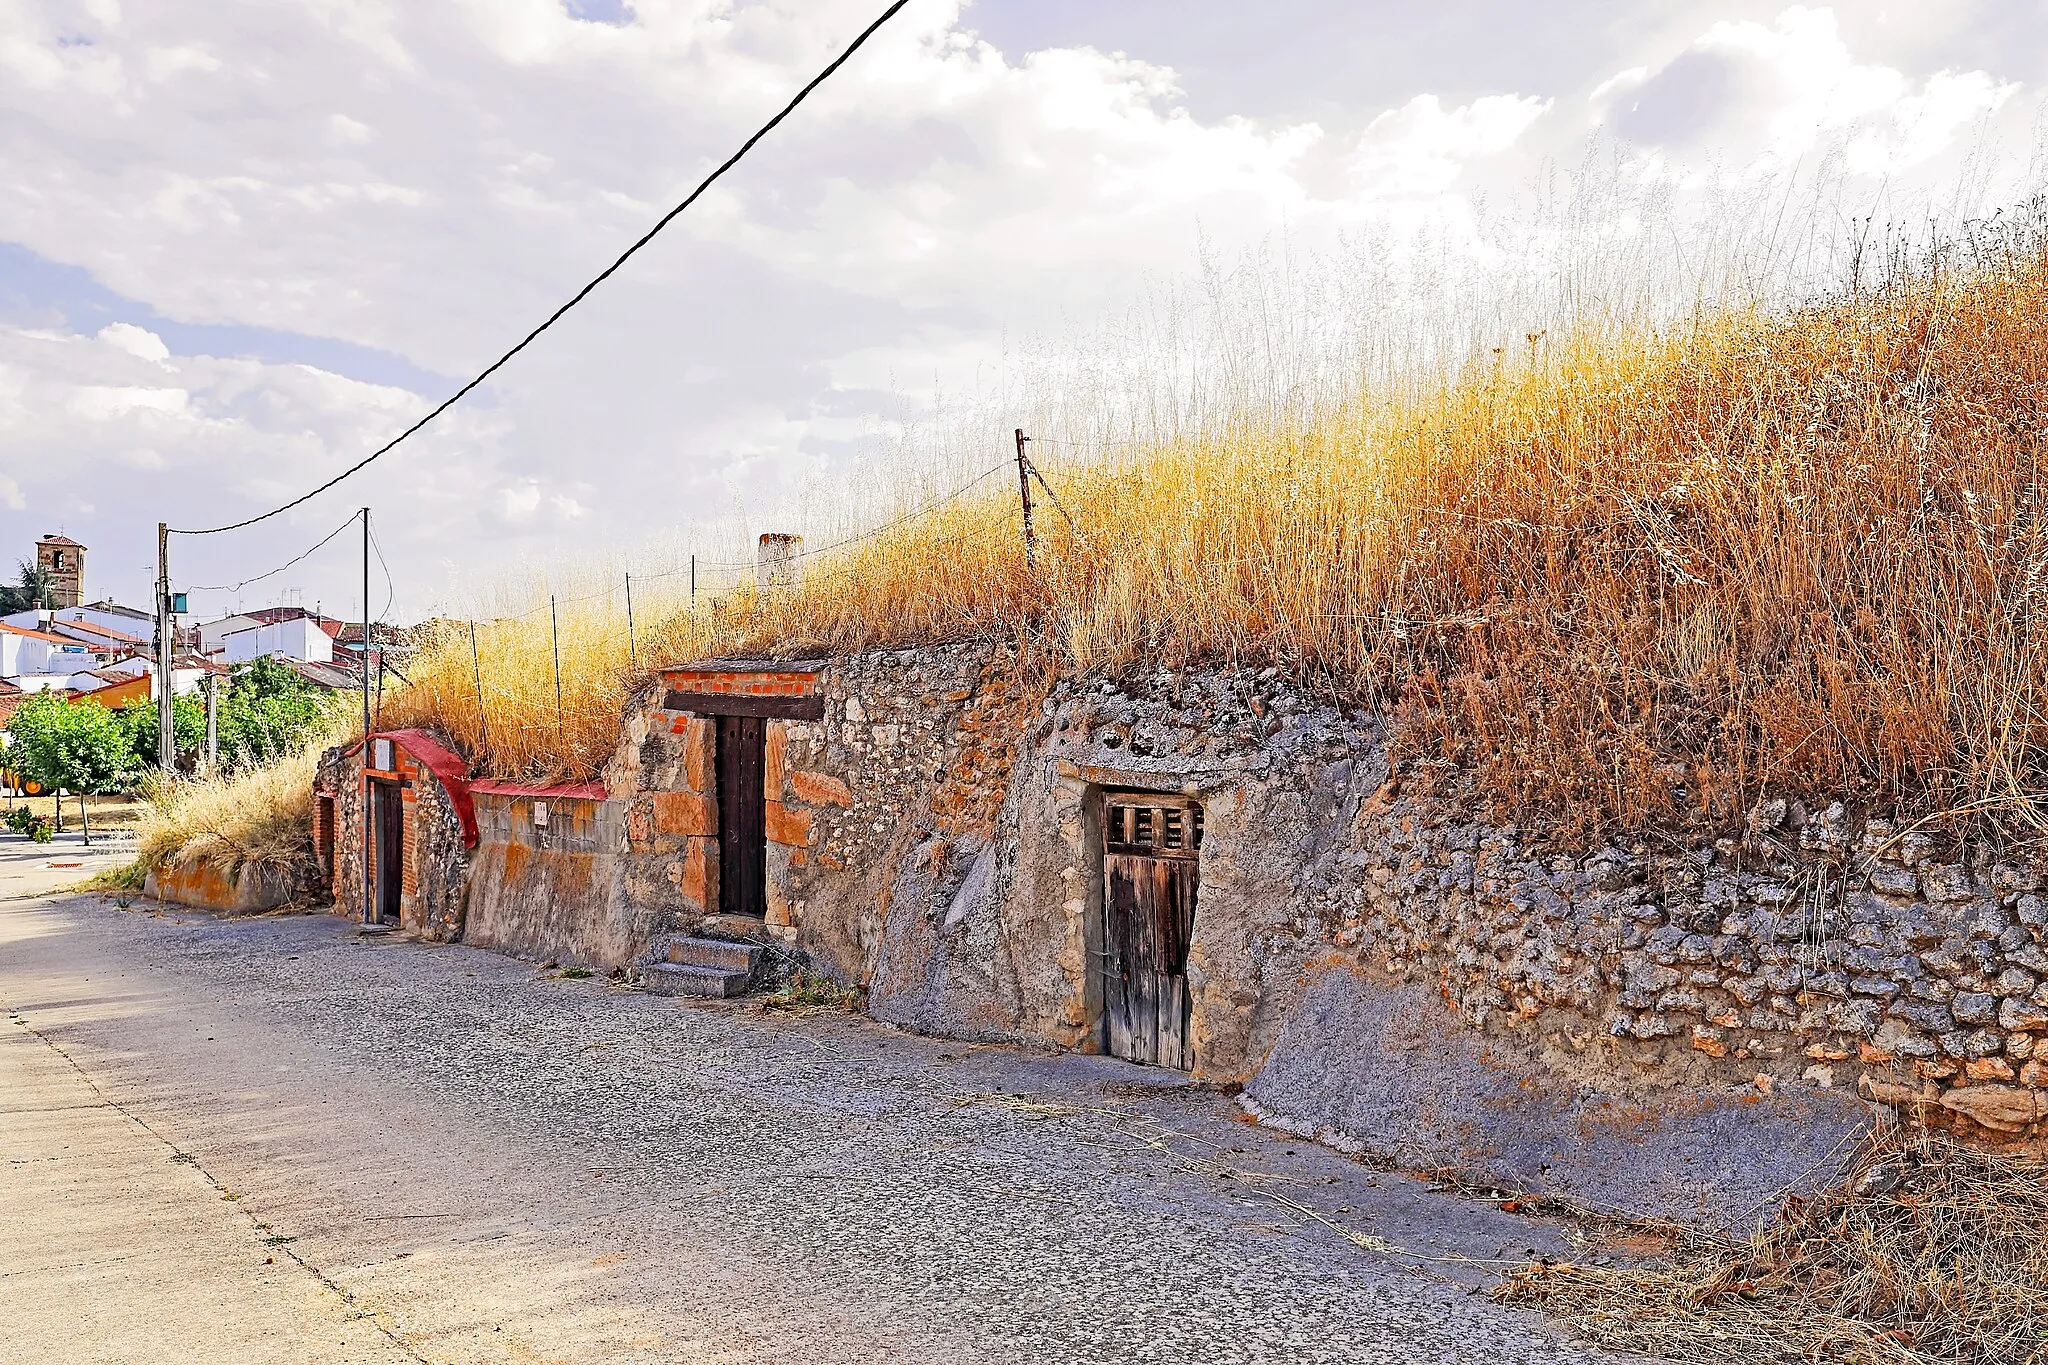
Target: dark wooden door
{"points": [[325, 815], [1150, 873], [742, 817], [388, 811]]}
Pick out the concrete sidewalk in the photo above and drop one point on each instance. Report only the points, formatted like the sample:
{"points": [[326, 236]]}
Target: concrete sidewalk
{"points": [[114, 1245]]}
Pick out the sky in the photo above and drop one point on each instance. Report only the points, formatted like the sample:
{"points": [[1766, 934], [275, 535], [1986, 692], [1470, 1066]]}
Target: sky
{"points": [[243, 243]]}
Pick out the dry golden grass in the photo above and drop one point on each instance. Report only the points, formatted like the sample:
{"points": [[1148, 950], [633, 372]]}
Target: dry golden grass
{"points": [[1623, 575], [259, 816], [1929, 1253]]}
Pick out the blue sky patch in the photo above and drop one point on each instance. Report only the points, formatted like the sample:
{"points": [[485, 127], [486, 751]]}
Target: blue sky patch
{"points": [[35, 292]]}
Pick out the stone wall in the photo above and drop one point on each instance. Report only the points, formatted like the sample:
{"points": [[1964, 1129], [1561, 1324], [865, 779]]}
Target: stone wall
{"points": [[1687, 1031], [554, 891]]}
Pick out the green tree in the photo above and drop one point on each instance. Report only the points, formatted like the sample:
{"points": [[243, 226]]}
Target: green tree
{"points": [[29, 591], [74, 746], [139, 723], [267, 711]]}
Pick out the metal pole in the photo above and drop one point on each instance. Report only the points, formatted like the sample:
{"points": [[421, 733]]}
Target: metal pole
{"points": [[1024, 491], [166, 736], [368, 914], [693, 585], [632, 649], [555, 633]]}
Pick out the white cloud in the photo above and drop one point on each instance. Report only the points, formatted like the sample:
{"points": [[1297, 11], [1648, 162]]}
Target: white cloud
{"points": [[431, 178], [1761, 96], [139, 342], [1420, 148]]}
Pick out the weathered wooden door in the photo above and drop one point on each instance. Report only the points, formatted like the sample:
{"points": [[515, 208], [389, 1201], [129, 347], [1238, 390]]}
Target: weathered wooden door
{"points": [[1149, 877], [387, 807], [742, 817]]}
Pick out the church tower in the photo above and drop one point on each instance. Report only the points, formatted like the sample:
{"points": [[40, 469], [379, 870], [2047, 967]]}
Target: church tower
{"points": [[63, 559]]}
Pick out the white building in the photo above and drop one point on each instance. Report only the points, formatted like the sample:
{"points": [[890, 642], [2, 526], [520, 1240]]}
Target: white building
{"points": [[28, 650], [301, 638]]}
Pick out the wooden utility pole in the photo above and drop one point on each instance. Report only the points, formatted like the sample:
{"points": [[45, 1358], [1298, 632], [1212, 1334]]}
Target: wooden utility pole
{"points": [[212, 685], [1024, 492], [166, 629]]}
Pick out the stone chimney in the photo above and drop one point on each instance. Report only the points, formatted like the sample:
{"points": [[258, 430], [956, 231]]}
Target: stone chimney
{"points": [[776, 562]]}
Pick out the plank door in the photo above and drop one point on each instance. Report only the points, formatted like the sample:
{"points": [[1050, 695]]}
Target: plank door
{"points": [[388, 809], [1150, 872], [742, 817]]}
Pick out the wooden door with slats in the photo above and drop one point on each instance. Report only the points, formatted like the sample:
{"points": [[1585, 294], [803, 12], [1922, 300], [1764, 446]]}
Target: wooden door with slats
{"points": [[742, 816], [1150, 873]]}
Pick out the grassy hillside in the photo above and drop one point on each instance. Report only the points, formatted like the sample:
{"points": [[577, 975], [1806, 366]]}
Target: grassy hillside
{"points": [[1623, 575]]}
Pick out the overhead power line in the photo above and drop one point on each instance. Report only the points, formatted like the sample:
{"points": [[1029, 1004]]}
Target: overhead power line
{"points": [[272, 573], [580, 294]]}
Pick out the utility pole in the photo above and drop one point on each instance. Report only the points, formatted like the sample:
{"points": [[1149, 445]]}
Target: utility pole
{"points": [[212, 685], [1024, 492], [369, 915]]}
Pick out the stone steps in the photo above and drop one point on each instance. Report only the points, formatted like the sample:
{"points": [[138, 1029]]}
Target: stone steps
{"points": [[671, 978], [713, 952], [713, 968]]}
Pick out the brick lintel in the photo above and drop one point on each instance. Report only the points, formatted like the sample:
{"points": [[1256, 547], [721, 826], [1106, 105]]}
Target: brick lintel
{"points": [[743, 704]]}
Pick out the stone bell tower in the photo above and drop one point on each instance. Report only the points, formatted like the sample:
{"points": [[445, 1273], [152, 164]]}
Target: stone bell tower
{"points": [[63, 559]]}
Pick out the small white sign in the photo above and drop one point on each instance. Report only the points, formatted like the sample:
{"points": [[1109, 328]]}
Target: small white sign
{"points": [[540, 815]]}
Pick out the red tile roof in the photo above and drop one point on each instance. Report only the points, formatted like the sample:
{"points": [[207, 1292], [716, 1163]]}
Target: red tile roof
{"points": [[103, 631], [39, 634], [444, 764], [564, 791]]}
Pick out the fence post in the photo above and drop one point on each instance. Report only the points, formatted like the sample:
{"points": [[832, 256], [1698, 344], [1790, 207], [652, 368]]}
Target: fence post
{"points": [[632, 649], [1024, 492], [555, 633], [476, 671]]}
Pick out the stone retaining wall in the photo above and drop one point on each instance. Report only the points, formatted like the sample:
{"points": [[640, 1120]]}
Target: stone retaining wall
{"points": [[1686, 1031]]}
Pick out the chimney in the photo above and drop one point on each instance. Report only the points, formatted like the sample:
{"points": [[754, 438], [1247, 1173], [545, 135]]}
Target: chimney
{"points": [[775, 563]]}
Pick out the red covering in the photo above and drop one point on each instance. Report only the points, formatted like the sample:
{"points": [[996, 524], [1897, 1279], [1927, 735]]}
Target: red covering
{"points": [[566, 791], [444, 764]]}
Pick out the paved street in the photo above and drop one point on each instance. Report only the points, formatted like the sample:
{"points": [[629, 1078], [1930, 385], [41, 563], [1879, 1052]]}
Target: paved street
{"points": [[267, 1140]]}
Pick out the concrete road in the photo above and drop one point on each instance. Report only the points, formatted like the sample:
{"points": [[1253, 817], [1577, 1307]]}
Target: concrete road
{"points": [[268, 1140]]}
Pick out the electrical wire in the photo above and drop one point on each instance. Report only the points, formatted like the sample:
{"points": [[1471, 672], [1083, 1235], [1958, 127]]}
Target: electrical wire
{"points": [[906, 518], [580, 294], [390, 591], [237, 587]]}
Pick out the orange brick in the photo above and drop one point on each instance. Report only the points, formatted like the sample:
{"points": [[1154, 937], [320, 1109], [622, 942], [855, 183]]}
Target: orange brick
{"points": [[700, 873], [700, 743], [774, 742], [686, 813], [819, 789], [788, 825]]}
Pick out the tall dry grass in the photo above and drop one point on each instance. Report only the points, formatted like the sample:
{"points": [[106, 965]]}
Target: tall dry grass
{"points": [[1929, 1252], [261, 816], [1623, 573]]}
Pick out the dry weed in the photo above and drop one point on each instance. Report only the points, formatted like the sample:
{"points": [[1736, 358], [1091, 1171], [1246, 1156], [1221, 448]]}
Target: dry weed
{"points": [[1627, 575], [260, 816], [1928, 1253]]}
